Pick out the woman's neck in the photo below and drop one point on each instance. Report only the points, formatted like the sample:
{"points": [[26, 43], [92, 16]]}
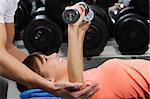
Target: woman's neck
{"points": [[63, 77]]}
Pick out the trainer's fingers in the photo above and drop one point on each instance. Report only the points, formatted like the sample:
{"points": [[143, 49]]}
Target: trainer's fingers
{"points": [[88, 89], [95, 90], [64, 84]]}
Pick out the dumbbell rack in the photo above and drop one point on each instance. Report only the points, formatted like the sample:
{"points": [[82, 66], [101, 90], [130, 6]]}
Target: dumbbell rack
{"points": [[110, 51]]}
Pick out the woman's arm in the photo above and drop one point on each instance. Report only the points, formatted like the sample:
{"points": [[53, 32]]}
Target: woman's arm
{"points": [[76, 33], [75, 64]]}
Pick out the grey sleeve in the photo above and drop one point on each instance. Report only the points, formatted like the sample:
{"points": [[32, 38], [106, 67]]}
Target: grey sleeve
{"points": [[10, 10], [2, 11], [3, 88]]}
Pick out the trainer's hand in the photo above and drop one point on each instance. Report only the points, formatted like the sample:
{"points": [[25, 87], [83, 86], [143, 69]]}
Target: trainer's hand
{"points": [[73, 90]]}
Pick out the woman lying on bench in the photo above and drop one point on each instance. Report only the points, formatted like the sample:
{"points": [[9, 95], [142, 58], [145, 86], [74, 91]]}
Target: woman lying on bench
{"points": [[117, 78]]}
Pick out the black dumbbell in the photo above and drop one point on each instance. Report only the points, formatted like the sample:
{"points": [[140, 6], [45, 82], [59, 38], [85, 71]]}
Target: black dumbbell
{"points": [[97, 34], [131, 32], [42, 34]]}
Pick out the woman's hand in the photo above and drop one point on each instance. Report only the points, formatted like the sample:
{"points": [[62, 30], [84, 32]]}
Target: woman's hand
{"points": [[83, 27], [81, 10], [73, 90]]}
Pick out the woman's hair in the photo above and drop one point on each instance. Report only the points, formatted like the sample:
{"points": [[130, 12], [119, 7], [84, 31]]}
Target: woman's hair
{"points": [[31, 63]]}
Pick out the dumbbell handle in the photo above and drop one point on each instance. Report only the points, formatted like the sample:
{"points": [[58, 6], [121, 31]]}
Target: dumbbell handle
{"points": [[70, 15]]}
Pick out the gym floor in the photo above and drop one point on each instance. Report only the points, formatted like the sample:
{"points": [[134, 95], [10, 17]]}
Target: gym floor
{"points": [[110, 51]]}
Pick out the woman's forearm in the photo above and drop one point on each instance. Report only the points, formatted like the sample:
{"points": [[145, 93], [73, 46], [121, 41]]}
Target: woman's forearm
{"points": [[76, 33], [75, 64], [80, 44]]}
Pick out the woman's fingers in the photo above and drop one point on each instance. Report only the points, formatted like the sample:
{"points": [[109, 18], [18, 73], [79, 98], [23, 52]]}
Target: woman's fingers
{"points": [[81, 10], [84, 27]]}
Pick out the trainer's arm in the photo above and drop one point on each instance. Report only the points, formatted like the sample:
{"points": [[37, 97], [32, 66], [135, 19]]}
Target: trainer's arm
{"points": [[11, 68], [20, 55]]}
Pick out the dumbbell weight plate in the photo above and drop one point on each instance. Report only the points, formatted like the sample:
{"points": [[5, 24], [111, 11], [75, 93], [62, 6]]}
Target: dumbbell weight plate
{"points": [[42, 35], [121, 13], [95, 38], [99, 11], [132, 34], [125, 11]]}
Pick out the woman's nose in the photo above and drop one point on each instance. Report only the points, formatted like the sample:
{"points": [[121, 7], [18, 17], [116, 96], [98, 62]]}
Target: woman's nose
{"points": [[54, 54]]}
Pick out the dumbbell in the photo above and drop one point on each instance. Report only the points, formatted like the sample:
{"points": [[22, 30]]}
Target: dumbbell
{"points": [[97, 34], [131, 32], [42, 34]]}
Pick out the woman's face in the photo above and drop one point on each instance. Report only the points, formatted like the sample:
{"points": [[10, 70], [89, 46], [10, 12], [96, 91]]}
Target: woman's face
{"points": [[53, 66]]}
